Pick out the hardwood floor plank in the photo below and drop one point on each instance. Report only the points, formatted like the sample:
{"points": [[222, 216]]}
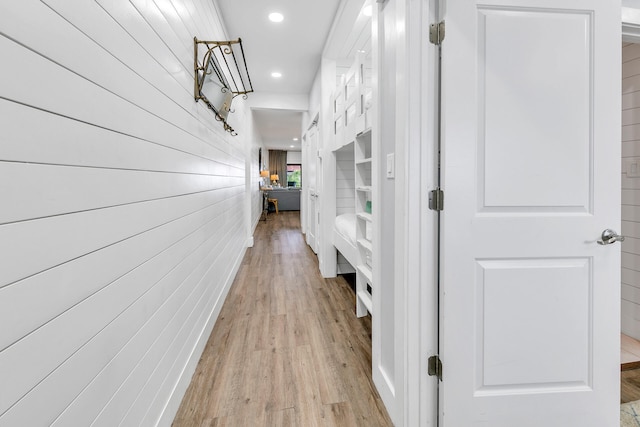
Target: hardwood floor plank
{"points": [[284, 418], [279, 296], [280, 336], [257, 334], [332, 390], [299, 327], [629, 385], [340, 414], [308, 405], [281, 377], [287, 348]]}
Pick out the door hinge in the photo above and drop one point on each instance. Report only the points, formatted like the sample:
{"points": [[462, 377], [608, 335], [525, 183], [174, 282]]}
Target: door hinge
{"points": [[435, 367], [436, 199], [436, 33]]}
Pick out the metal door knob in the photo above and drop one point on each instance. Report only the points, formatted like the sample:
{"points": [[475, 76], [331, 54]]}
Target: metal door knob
{"points": [[609, 236]]}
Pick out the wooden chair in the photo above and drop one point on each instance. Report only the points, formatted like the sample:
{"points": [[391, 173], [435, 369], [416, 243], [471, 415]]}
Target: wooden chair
{"points": [[275, 203]]}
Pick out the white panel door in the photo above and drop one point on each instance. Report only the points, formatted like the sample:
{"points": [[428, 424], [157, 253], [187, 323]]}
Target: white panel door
{"points": [[531, 174], [312, 189]]}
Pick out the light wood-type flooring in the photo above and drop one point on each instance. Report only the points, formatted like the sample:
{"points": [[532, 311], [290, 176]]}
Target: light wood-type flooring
{"points": [[629, 352], [630, 369], [287, 348]]}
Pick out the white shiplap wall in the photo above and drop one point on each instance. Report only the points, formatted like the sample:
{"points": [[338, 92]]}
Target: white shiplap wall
{"points": [[345, 193], [120, 197], [345, 180], [630, 190], [254, 179]]}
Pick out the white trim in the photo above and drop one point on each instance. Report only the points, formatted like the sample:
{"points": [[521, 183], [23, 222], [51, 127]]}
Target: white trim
{"points": [[344, 246], [420, 323], [326, 175], [630, 32], [380, 380], [630, 24]]}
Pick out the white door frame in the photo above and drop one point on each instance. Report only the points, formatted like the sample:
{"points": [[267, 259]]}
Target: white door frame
{"points": [[310, 188], [417, 320]]}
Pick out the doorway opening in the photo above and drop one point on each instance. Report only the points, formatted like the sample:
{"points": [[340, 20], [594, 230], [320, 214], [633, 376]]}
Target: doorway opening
{"points": [[630, 220], [630, 187]]}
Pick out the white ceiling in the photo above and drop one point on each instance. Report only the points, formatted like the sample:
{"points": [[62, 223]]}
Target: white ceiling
{"points": [[293, 47], [278, 128]]}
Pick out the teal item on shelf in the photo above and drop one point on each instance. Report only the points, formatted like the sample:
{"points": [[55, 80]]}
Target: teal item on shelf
{"points": [[367, 207]]}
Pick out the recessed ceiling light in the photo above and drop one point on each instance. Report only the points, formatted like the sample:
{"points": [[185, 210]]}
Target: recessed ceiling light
{"points": [[295, 139], [291, 146], [276, 75], [367, 10], [276, 17]]}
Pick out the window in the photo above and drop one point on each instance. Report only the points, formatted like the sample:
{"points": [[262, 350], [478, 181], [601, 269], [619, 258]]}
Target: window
{"points": [[294, 175]]}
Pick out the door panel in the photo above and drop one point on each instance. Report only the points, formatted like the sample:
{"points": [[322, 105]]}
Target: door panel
{"points": [[531, 174], [532, 351], [552, 127], [312, 222]]}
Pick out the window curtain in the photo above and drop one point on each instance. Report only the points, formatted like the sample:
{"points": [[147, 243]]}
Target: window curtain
{"points": [[278, 164]]}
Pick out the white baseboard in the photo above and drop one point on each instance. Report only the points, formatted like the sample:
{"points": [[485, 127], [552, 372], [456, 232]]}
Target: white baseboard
{"points": [[386, 390]]}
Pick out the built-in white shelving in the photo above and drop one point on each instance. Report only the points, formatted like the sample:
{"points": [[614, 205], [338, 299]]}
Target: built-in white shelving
{"points": [[366, 244], [364, 224], [365, 216], [352, 114]]}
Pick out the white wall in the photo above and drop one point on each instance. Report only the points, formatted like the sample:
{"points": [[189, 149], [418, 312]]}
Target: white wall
{"points": [[326, 173], [279, 101], [254, 179], [345, 194], [630, 190], [315, 102], [294, 157], [388, 137], [345, 180], [122, 220]]}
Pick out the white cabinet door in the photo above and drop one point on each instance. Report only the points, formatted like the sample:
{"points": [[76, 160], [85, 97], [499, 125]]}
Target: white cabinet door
{"points": [[531, 174]]}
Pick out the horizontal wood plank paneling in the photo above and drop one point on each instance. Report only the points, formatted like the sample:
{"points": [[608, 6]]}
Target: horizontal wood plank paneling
{"points": [[631, 213], [631, 277], [83, 144], [36, 246], [123, 209], [631, 197], [630, 191], [114, 320], [60, 288], [44, 190], [631, 149], [345, 180], [632, 229], [631, 245], [345, 193], [89, 102]]}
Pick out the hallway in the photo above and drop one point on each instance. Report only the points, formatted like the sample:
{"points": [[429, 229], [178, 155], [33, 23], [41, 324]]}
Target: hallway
{"points": [[287, 349]]}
